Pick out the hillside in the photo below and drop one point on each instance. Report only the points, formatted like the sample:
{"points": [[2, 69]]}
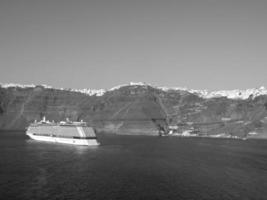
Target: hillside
{"points": [[138, 109]]}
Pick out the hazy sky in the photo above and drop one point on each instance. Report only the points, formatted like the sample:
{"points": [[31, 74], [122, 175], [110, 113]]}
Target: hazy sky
{"points": [[201, 44]]}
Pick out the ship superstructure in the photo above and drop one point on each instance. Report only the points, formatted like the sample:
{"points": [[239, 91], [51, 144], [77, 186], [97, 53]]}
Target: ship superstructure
{"points": [[77, 133]]}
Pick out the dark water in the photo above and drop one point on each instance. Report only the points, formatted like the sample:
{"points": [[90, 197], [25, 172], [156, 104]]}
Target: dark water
{"points": [[133, 168]]}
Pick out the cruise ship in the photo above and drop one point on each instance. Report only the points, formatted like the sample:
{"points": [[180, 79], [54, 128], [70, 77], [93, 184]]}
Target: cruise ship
{"points": [[68, 132]]}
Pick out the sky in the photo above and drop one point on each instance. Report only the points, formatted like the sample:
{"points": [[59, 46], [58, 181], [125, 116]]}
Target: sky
{"points": [[198, 44]]}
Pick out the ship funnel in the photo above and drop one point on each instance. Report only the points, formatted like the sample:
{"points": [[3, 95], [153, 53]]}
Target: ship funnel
{"points": [[44, 120]]}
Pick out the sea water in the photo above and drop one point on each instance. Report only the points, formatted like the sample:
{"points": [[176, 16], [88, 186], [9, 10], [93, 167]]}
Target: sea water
{"points": [[133, 167]]}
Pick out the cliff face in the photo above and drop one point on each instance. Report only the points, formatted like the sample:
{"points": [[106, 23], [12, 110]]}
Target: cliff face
{"points": [[134, 109], [123, 111]]}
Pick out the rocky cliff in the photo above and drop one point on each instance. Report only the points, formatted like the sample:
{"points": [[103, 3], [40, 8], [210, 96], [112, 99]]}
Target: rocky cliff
{"points": [[138, 109]]}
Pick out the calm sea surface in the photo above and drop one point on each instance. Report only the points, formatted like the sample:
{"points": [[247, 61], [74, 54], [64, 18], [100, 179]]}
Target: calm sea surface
{"points": [[133, 167]]}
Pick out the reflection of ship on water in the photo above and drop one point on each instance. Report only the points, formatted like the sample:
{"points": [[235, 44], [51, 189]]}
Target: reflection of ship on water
{"points": [[77, 133]]}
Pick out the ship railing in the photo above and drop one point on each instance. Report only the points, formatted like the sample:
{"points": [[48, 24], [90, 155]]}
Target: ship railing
{"points": [[59, 124], [72, 124], [61, 136]]}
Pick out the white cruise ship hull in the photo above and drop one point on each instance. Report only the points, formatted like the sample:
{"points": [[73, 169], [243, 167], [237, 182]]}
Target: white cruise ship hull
{"points": [[74, 141]]}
